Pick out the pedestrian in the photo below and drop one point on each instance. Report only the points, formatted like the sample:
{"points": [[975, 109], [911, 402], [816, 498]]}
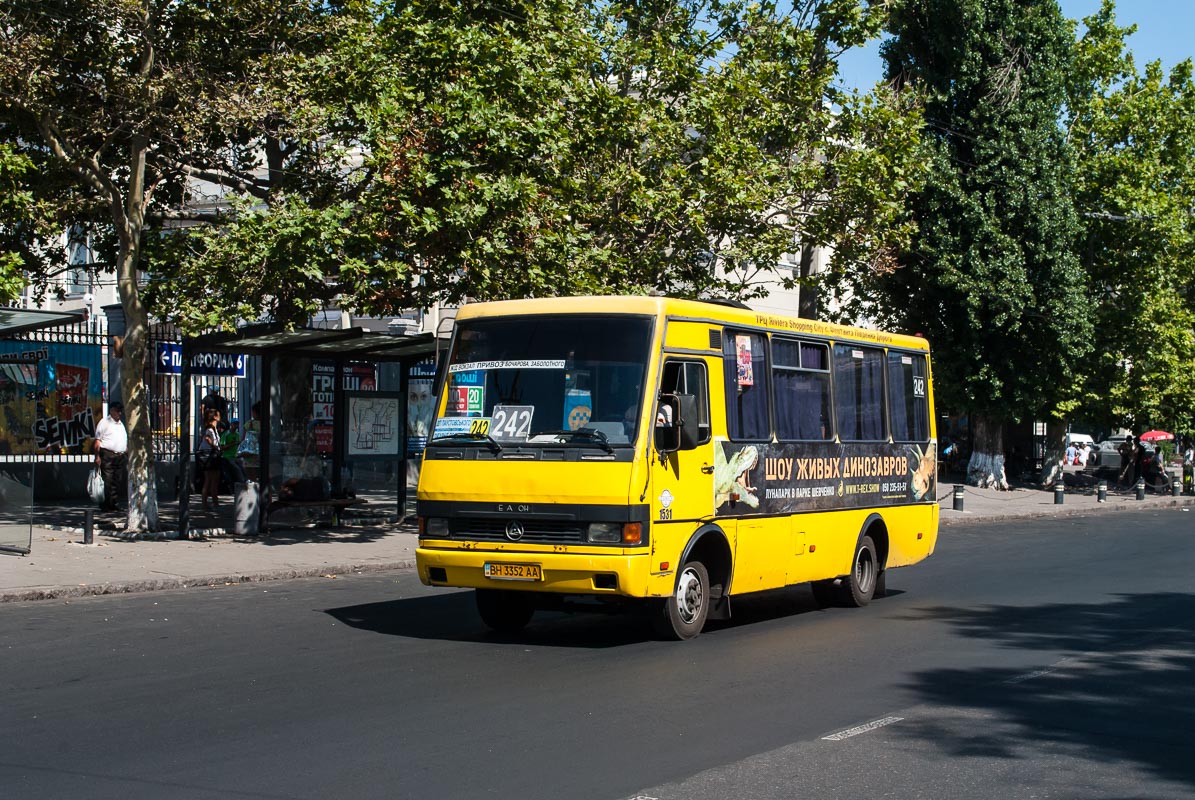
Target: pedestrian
{"points": [[1140, 457], [250, 446], [111, 446], [1188, 462], [213, 400], [1071, 454], [1084, 454], [230, 440], [207, 456], [1128, 457]]}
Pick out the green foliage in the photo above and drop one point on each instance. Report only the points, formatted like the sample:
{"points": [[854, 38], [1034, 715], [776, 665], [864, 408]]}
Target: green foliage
{"points": [[991, 275], [14, 205], [542, 149], [1134, 134]]}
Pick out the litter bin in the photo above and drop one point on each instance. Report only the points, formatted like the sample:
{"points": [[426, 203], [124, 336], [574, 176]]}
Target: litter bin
{"points": [[248, 508]]}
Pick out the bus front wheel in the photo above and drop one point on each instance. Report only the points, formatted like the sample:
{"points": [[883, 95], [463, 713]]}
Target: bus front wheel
{"points": [[683, 615], [503, 610]]}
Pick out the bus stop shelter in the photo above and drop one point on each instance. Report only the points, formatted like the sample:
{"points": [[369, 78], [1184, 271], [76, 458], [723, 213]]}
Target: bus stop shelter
{"points": [[16, 488], [275, 344]]}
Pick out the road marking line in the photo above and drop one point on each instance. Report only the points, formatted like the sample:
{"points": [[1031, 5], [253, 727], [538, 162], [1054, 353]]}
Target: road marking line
{"points": [[1037, 673], [870, 726]]}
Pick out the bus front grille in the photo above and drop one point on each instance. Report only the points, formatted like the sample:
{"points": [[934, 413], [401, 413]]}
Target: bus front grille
{"points": [[542, 531]]}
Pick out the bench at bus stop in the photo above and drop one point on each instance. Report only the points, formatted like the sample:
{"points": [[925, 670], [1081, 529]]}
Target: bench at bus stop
{"points": [[337, 504]]}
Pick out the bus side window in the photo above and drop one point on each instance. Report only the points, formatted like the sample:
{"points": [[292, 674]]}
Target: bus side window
{"points": [[801, 382], [859, 393], [745, 368], [908, 397]]}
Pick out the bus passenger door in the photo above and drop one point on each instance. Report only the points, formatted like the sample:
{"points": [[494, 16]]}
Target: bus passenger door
{"points": [[683, 480]]}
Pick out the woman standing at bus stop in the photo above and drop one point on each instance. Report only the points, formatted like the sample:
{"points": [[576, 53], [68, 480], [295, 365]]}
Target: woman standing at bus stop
{"points": [[207, 457]]}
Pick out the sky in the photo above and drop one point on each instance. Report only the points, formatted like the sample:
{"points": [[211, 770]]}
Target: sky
{"points": [[1165, 31]]}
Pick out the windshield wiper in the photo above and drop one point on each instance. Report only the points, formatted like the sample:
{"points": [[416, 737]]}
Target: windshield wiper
{"points": [[595, 436], [473, 437]]}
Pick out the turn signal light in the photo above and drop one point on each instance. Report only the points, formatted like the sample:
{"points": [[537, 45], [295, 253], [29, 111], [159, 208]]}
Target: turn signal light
{"points": [[632, 533]]}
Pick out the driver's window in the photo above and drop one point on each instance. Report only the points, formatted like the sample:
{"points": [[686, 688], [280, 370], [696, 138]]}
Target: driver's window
{"points": [[689, 377]]}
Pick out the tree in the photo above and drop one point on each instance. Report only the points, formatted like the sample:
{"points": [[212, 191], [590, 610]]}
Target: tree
{"points": [[14, 205], [120, 105], [564, 148], [991, 276], [1133, 135]]}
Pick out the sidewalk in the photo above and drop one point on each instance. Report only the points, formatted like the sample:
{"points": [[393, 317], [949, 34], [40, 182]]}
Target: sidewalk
{"points": [[61, 566]]}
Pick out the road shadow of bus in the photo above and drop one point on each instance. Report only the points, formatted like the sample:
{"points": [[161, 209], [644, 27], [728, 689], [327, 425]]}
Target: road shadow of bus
{"points": [[452, 616], [1124, 692]]}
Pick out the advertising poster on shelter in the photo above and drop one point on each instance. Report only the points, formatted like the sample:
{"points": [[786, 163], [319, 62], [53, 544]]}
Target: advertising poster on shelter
{"points": [[784, 478], [53, 405], [356, 377]]}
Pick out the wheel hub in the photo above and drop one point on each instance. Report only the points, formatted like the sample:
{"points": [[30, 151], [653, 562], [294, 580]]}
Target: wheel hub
{"points": [[689, 597]]}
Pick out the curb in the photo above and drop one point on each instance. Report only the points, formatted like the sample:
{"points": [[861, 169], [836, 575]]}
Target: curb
{"points": [[159, 584], [948, 516]]}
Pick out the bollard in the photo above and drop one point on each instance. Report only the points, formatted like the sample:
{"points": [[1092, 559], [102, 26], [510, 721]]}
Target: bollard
{"points": [[958, 496], [1141, 488], [1059, 491], [248, 509], [89, 526], [1101, 492], [1176, 488]]}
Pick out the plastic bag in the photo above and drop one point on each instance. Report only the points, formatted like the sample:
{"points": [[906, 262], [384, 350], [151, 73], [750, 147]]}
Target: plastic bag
{"points": [[95, 486], [248, 445]]}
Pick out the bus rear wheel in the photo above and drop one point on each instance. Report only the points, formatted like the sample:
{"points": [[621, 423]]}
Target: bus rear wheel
{"points": [[860, 586], [856, 589], [683, 615], [503, 610]]}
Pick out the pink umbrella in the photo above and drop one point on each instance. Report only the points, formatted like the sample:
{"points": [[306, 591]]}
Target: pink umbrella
{"points": [[1156, 436]]}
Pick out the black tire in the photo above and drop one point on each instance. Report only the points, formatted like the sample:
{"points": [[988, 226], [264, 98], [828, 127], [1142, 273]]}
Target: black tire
{"points": [[860, 585], [504, 611], [881, 585], [682, 616]]}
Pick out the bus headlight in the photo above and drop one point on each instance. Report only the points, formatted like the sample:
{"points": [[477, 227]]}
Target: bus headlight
{"points": [[605, 532], [433, 527], [628, 533]]}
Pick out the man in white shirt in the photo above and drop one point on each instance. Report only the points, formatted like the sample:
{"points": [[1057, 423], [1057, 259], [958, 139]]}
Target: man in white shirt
{"points": [[111, 442]]}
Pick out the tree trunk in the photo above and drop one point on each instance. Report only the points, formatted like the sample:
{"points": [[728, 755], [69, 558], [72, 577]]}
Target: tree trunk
{"points": [[1051, 460], [143, 488], [986, 468], [808, 295]]}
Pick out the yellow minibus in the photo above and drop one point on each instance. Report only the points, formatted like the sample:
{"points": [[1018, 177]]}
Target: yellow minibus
{"points": [[672, 454]]}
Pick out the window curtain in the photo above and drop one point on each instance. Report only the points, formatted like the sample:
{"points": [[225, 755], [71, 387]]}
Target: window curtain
{"points": [[859, 393], [746, 404]]}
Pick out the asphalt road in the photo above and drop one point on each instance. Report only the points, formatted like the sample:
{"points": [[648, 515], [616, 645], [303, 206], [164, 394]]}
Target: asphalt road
{"points": [[1052, 659]]}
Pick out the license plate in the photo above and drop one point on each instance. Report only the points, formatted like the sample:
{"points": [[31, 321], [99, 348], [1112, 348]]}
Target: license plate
{"points": [[514, 572]]}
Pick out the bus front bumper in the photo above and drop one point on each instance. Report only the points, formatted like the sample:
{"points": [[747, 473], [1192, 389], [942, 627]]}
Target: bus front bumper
{"points": [[617, 574]]}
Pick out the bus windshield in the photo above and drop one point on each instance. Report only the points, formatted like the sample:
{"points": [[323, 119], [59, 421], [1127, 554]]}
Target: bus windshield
{"points": [[546, 380]]}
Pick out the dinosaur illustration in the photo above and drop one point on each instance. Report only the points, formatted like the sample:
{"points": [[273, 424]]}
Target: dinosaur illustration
{"points": [[923, 477], [734, 476]]}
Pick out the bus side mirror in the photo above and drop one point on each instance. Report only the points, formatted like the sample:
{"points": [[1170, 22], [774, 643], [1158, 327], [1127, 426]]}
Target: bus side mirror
{"points": [[676, 423], [667, 432]]}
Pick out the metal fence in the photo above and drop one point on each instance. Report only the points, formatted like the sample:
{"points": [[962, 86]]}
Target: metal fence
{"points": [[71, 371]]}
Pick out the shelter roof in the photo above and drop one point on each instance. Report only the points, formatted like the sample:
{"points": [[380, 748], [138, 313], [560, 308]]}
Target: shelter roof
{"points": [[270, 339], [20, 320]]}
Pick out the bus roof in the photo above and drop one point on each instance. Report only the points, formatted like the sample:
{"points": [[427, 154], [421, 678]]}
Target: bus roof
{"points": [[698, 310]]}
